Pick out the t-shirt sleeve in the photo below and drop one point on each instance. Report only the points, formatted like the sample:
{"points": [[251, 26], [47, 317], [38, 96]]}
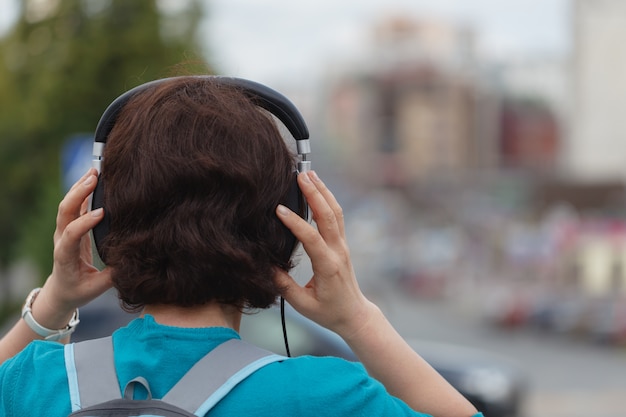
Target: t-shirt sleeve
{"points": [[34, 378]]}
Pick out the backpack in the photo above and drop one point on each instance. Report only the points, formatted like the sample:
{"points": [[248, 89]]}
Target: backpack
{"points": [[94, 387]]}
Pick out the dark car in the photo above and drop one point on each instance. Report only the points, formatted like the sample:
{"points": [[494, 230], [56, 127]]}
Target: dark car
{"points": [[493, 384]]}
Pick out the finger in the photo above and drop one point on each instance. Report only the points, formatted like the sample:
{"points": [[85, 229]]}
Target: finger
{"points": [[323, 214], [330, 199], [90, 171], [311, 240], [84, 206], [285, 282], [69, 208], [292, 292], [85, 242], [86, 249], [68, 247]]}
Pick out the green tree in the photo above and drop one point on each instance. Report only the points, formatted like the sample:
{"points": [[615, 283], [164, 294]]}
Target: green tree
{"points": [[61, 64]]}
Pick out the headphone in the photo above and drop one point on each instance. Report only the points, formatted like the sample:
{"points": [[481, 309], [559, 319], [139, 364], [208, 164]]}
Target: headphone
{"points": [[263, 97]]}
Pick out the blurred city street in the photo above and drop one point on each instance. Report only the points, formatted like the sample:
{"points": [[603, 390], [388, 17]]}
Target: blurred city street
{"points": [[569, 373], [567, 378]]}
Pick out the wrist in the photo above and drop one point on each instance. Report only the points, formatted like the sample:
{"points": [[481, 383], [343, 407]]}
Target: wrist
{"points": [[362, 324], [47, 323]]}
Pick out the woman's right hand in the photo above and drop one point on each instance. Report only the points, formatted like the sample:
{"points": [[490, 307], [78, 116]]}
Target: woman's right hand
{"points": [[332, 297], [74, 280]]}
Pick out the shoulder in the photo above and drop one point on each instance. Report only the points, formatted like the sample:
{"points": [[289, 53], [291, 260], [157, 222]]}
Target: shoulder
{"points": [[328, 377], [307, 386], [34, 356], [320, 365], [331, 371], [43, 362], [334, 374]]}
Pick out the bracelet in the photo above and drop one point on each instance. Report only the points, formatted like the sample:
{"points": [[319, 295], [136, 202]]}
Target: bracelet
{"points": [[48, 334]]}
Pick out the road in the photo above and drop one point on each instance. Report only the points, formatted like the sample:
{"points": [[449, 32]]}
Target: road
{"points": [[567, 378]]}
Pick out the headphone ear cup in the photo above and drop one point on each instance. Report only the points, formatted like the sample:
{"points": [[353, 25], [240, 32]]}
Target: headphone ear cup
{"points": [[295, 201], [100, 230]]}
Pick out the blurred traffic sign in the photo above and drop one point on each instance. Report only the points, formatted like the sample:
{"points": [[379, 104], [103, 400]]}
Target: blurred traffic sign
{"points": [[76, 158]]}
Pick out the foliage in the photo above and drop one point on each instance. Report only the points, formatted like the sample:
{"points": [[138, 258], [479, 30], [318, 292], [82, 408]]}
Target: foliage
{"points": [[61, 64]]}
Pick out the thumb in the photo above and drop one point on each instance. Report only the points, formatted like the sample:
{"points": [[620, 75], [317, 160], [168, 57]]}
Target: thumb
{"points": [[285, 283], [297, 296], [96, 284], [290, 290], [104, 280]]}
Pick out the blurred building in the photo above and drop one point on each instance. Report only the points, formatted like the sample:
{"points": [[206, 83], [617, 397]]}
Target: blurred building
{"points": [[535, 111], [529, 136], [418, 111], [404, 125], [597, 147]]}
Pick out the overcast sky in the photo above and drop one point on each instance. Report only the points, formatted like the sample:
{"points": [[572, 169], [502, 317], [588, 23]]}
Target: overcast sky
{"points": [[268, 40], [271, 39]]}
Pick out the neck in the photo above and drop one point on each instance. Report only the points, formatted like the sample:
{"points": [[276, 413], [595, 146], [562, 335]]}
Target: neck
{"points": [[208, 315]]}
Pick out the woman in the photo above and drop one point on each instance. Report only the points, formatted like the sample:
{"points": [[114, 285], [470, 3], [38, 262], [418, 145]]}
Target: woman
{"points": [[196, 176]]}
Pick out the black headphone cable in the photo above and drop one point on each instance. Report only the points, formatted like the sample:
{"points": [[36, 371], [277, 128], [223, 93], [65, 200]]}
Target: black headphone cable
{"points": [[284, 324]]}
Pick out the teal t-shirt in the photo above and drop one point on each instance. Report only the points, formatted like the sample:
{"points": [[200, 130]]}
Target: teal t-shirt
{"points": [[34, 383]]}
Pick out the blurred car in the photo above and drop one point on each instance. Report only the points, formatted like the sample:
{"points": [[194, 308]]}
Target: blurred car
{"points": [[494, 385]]}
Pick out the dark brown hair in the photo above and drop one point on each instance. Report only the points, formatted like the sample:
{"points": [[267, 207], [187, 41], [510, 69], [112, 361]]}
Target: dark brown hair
{"points": [[193, 172]]}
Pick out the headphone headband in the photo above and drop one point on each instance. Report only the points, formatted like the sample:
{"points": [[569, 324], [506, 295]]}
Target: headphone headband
{"points": [[263, 96]]}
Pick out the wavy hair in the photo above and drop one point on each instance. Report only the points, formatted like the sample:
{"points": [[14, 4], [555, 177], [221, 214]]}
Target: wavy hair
{"points": [[193, 171]]}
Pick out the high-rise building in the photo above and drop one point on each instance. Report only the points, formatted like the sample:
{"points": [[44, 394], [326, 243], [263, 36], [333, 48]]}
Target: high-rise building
{"points": [[596, 149]]}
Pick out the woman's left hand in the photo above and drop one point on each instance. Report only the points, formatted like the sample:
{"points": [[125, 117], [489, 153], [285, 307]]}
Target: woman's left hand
{"points": [[74, 280]]}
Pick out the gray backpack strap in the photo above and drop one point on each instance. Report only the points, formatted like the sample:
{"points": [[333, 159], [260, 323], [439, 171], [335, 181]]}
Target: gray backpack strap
{"points": [[91, 372], [213, 376], [129, 390], [93, 380]]}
